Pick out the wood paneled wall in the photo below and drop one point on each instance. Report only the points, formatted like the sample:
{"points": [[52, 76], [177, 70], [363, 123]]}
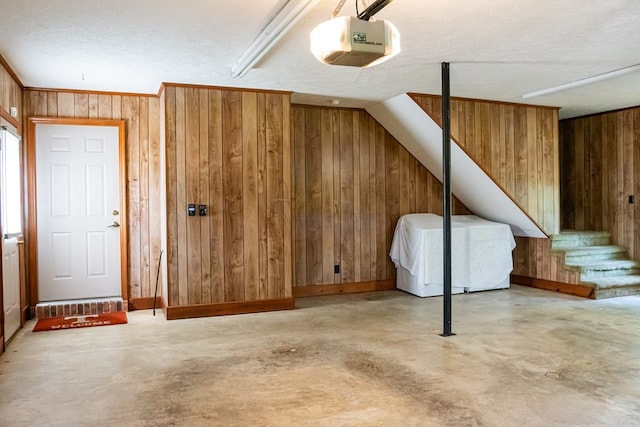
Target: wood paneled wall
{"points": [[600, 170], [229, 150], [517, 145], [142, 117], [533, 258], [352, 181], [10, 95]]}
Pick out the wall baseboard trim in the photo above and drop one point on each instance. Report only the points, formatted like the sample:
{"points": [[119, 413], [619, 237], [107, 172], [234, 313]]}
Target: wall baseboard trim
{"points": [[145, 303], [550, 285], [344, 288], [227, 308]]}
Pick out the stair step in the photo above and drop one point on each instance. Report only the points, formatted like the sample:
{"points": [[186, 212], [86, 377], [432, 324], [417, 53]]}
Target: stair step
{"points": [[604, 268], [612, 264], [574, 256], [590, 275], [615, 286], [574, 239]]}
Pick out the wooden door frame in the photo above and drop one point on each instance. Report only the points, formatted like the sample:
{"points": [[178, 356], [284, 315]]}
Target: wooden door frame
{"points": [[32, 228]]}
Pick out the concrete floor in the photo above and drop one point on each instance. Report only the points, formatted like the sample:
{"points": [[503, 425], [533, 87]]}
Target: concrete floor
{"points": [[521, 357]]}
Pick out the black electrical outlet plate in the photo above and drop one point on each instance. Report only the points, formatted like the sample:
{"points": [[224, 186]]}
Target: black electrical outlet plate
{"points": [[191, 209], [631, 199], [336, 269], [203, 210]]}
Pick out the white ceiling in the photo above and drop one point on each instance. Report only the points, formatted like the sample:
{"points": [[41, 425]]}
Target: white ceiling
{"points": [[498, 49]]}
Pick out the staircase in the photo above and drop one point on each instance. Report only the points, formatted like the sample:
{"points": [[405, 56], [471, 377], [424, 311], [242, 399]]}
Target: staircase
{"points": [[602, 266]]}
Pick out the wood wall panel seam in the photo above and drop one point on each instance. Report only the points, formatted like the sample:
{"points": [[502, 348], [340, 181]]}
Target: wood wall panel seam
{"points": [[182, 255], [287, 195], [250, 195], [299, 197], [131, 112], [275, 196], [192, 185], [153, 230], [216, 209], [263, 267], [232, 190], [204, 195], [171, 196]]}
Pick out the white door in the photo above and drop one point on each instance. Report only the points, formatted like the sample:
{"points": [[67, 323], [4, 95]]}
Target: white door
{"points": [[11, 228], [10, 286], [78, 204]]}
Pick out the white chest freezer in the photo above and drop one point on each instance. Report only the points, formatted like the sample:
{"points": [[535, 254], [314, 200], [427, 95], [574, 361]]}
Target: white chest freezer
{"points": [[480, 254]]}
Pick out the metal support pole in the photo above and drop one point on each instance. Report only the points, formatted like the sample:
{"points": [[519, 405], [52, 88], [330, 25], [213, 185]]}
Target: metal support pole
{"points": [[374, 8], [446, 199]]}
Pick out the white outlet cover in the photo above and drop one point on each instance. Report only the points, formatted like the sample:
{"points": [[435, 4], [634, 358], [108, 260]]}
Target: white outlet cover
{"points": [[13, 111]]}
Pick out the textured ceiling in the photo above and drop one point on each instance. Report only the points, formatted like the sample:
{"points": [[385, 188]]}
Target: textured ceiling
{"points": [[498, 49]]}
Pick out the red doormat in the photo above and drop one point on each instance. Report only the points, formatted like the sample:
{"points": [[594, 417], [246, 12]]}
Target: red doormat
{"points": [[80, 321]]}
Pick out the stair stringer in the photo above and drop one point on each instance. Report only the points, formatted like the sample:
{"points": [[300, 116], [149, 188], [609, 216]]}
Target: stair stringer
{"points": [[403, 118]]}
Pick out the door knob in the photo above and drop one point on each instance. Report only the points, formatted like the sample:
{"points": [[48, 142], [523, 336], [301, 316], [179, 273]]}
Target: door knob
{"points": [[115, 224]]}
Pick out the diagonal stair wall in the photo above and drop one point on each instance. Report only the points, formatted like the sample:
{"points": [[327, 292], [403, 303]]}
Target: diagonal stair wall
{"points": [[417, 131], [517, 145], [517, 148]]}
